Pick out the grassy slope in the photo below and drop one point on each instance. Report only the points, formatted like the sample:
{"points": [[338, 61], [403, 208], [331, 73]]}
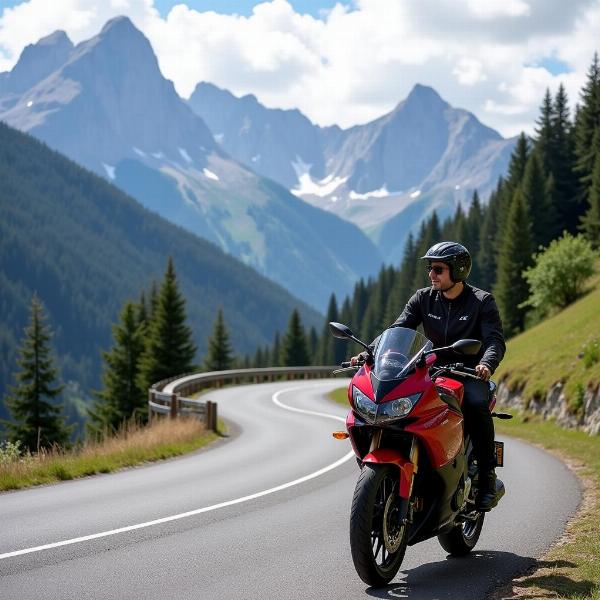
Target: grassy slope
{"points": [[550, 352]]}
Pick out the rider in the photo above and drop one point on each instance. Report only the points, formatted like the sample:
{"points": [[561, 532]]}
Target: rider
{"points": [[450, 310]]}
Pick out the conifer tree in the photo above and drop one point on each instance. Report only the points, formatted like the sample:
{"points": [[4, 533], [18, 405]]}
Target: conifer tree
{"points": [[294, 351], [259, 360], [328, 347], [516, 171], [37, 420], [402, 287], [169, 347], [313, 345], [534, 188], [121, 397], [566, 192], [472, 242], [486, 257], [275, 357], [220, 355], [590, 223], [511, 288], [587, 122], [545, 137]]}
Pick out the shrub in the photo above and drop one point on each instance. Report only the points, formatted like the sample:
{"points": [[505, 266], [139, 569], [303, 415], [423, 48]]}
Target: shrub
{"points": [[591, 353], [557, 277]]}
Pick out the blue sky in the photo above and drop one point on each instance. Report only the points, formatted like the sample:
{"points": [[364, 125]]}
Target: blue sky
{"points": [[244, 7]]}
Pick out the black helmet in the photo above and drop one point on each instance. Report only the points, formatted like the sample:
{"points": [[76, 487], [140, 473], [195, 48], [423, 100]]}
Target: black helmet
{"points": [[455, 255]]}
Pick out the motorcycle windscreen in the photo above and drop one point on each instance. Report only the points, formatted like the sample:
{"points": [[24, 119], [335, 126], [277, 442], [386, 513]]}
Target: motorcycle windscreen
{"points": [[396, 352]]}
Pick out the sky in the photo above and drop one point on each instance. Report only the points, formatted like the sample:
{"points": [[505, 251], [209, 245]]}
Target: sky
{"points": [[347, 62]]}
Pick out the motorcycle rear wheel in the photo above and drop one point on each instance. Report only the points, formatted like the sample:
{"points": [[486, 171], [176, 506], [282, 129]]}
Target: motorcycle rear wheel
{"points": [[461, 539], [377, 538]]}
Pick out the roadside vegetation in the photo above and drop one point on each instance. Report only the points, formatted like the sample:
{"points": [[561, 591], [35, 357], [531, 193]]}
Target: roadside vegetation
{"points": [[134, 444], [564, 348], [571, 569]]}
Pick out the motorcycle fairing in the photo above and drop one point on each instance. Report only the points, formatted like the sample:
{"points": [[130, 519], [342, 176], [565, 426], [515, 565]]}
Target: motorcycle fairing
{"points": [[407, 468]]}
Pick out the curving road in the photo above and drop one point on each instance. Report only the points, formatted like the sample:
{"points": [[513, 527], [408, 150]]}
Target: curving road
{"points": [[261, 515]]}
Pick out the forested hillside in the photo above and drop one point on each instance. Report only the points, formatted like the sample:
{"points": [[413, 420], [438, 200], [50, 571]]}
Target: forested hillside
{"points": [[552, 185], [85, 247]]}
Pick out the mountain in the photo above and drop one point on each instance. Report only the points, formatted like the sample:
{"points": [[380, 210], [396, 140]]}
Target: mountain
{"points": [[125, 121], [36, 62], [421, 156], [85, 248]]}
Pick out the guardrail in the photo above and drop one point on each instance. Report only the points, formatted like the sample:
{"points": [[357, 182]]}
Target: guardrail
{"points": [[171, 396]]}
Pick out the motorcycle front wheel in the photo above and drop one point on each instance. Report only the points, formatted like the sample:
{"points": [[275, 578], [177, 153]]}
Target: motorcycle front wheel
{"points": [[378, 538]]}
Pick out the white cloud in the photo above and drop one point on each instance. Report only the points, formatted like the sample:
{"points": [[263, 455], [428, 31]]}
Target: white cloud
{"points": [[356, 62]]}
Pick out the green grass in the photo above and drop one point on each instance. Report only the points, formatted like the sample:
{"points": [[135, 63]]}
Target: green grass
{"points": [[132, 447], [571, 569], [563, 348]]}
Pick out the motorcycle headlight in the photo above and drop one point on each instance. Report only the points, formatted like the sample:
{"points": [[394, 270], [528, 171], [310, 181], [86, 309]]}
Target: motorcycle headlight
{"points": [[380, 413], [364, 405], [396, 409]]}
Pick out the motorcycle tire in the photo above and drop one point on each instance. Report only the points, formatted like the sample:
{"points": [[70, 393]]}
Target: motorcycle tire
{"points": [[377, 539], [461, 539]]}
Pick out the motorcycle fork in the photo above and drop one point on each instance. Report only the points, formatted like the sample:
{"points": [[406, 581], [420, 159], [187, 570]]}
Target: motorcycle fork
{"points": [[405, 514], [405, 506]]}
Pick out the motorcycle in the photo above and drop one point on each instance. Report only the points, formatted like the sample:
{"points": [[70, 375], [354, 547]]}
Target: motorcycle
{"points": [[418, 474]]}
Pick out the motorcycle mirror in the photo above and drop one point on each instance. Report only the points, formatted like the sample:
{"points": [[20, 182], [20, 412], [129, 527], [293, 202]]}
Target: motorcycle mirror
{"points": [[340, 331], [467, 347]]}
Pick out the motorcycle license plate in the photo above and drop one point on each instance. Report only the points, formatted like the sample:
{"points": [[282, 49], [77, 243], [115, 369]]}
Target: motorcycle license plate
{"points": [[499, 454]]}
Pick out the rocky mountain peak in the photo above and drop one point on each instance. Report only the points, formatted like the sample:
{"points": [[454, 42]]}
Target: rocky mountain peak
{"points": [[36, 62]]}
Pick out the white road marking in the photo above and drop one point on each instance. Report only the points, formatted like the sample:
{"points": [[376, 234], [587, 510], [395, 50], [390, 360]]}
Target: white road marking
{"points": [[206, 509]]}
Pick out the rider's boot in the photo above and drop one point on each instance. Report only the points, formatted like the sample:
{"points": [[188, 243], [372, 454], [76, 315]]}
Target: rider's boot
{"points": [[491, 489]]}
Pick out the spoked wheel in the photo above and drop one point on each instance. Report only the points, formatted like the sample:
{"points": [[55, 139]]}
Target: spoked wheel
{"points": [[377, 536], [461, 539]]}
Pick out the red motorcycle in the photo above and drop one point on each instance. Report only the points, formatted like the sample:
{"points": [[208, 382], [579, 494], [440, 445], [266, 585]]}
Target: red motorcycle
{"points": [[418, 474]]}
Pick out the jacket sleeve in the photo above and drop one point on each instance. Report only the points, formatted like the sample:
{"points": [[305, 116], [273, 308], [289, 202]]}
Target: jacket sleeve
{"points": [[411, 316], [492, 335]]}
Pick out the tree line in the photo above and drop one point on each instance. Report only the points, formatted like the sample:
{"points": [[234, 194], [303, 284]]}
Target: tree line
{"points": [[551, 189], [548, 202]]}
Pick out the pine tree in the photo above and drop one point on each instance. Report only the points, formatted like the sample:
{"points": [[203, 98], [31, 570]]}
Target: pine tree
{"points": [[294, 351], [545, 138], [313, 345], [534, 188], [472, 242], [488, 243], [121, 397], [566, 187], [590, 222], [275, 358], [169, 347], [220, 354], [37, 420], [511, 289], [587, 122], [328, 345]]}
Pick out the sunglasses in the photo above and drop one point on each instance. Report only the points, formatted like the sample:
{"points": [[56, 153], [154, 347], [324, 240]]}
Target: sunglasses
{"points": [[437, 269]]}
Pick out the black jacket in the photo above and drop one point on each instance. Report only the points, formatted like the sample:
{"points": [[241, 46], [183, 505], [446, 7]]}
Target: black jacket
{"points": [[473, 314]]}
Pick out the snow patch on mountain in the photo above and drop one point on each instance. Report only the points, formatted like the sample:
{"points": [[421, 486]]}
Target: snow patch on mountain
{"points": [[415, 194], [185, 155], [110, 170], [210, 174], [380, 193]]}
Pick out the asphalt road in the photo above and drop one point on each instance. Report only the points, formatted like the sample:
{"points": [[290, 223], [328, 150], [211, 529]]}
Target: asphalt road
{"points": [[262, 515]]}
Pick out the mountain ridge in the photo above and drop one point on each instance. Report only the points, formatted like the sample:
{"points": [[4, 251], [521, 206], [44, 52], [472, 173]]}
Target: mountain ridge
{"points": [[85, 248], [123, 118]]}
